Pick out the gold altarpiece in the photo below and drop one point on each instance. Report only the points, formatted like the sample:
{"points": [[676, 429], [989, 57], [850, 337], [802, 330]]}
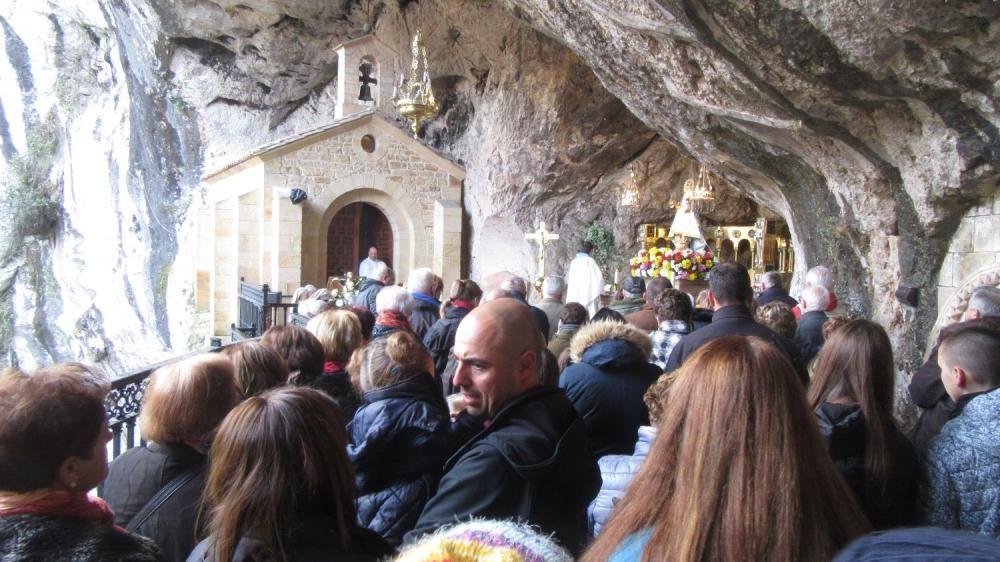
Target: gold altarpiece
{"points": [[762, 246]]}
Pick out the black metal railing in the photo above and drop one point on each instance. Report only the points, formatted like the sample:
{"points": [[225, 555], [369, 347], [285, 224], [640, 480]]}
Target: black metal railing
{"points": [[258, 308]]}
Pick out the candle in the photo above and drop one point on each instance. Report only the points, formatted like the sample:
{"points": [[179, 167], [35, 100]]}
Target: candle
{"points": [[616, 276]]}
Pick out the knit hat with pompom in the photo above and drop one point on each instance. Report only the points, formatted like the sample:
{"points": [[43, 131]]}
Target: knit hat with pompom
{"points": [[485, 541]]}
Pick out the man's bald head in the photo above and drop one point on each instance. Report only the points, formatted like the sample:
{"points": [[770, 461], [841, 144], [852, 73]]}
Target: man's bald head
{"points": [[511, 324], [497, 348]]}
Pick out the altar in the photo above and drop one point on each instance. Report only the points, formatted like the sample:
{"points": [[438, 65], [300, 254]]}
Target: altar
{"points": [[763, 246]]}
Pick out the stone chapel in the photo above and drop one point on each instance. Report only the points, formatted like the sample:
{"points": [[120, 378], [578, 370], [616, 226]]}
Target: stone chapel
{"points": [[307, 207]]}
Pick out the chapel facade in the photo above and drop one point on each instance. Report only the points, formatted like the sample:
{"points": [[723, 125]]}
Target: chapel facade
{"points": [[290, 213]]}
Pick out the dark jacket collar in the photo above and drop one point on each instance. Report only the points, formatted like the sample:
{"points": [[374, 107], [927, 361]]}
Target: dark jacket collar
{"points": [[732, 311], [425, 301], [177, 451], [415, 387], [455, 312], [964, 400]]}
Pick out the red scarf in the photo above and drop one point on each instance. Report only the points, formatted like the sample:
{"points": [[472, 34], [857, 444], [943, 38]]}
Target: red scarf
{"points": [[76, 505], [331, 367], [393, 319], [467, 305]]}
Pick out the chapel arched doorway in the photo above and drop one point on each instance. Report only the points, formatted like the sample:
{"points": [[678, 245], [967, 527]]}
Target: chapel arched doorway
{"points": [[353, 230]]}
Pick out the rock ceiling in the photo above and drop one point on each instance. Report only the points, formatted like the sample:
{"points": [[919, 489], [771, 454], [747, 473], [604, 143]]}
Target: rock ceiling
{"points": [[870, 126]]}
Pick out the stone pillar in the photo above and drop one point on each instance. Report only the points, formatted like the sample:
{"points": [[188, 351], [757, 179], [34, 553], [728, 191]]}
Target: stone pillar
{"points": [[225, 281], [249, 237], [266, 230], [286, 243], [448, 240], [205, 260]]}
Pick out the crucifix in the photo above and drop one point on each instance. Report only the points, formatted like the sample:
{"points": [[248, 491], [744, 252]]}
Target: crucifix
{"points": [[542, 237]]}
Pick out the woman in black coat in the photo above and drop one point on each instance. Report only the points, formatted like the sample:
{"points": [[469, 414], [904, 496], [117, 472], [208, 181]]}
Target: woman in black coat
{"points": [[852, 395], [399, 438], [439, 340], [155, 490]]}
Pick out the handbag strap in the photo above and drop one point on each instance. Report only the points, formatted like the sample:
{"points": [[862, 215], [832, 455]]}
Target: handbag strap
{"points": [[161, 497]]}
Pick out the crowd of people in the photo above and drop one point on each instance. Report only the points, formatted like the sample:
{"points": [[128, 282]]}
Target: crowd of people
{"points": [[731, 426]]}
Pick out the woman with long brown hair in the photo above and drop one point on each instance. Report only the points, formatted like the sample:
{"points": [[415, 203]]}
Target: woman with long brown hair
{"points": [[852, 393], [280, 485], [737, 471]]}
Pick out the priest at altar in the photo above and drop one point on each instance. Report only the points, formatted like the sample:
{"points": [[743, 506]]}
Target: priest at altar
{"points": [[584, 280]]}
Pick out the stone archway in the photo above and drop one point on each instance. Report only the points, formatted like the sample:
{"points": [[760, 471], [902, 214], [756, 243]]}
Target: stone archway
{"points": [[404, 232], [952, 309], [355, 228]]}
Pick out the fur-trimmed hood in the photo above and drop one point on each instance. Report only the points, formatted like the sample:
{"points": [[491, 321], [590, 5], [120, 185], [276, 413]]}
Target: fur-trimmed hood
{"points": [[609, 330]]}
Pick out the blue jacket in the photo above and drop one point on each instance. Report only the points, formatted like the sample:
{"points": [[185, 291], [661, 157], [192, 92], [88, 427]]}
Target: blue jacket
{"points": [[399, 441], [617, 471], [610, 374], [963, 468], [922, 544]]}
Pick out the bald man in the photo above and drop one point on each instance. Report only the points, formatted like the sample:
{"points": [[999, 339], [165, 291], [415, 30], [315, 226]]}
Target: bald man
{"points": [[532, 462]]}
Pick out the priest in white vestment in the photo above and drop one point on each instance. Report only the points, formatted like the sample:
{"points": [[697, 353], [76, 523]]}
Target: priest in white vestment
{"points": [[370, 264], [584, 280]]}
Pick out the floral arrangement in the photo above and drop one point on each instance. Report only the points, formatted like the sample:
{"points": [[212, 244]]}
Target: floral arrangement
{"points": [[673, 264], [343, 289]]}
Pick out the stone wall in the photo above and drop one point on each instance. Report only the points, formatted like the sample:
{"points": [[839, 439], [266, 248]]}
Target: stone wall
{"points": [[404, 181]]}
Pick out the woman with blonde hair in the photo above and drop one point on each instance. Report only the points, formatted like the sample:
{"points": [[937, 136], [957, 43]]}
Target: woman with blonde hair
{"points": [[258, 367], [339, 332], [155, 490], [53, 438], [280, 485], [399, 438], [852, 394], [737, 471]]}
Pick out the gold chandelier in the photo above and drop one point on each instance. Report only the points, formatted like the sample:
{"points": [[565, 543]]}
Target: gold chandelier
{"points": [[699, 192], [413, 96]]}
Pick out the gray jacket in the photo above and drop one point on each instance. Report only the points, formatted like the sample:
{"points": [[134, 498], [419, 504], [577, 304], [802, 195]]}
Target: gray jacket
{"points": [[963, 469]]}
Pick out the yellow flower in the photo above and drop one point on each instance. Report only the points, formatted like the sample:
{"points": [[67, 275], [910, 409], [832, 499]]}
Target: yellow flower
{"points": [[635, 272], [656, 273], [686, 264]]}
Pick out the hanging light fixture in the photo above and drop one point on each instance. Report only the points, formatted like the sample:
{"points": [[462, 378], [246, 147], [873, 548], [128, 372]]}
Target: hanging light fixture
{"points": [[413, 96], [699, 191]]}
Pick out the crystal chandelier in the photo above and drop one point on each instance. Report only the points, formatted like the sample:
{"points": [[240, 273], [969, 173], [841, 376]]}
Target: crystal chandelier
{"points": [[699, 192], [413, 96]]}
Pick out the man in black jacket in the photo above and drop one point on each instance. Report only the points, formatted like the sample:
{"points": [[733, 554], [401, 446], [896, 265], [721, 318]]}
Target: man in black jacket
{"points": [[425, 288], [809, 334], [532, 462], [773, 291], [731, 296]]}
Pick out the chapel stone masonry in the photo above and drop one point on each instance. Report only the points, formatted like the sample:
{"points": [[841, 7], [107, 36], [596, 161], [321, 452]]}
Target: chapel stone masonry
{"points": [[250, 227]]}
